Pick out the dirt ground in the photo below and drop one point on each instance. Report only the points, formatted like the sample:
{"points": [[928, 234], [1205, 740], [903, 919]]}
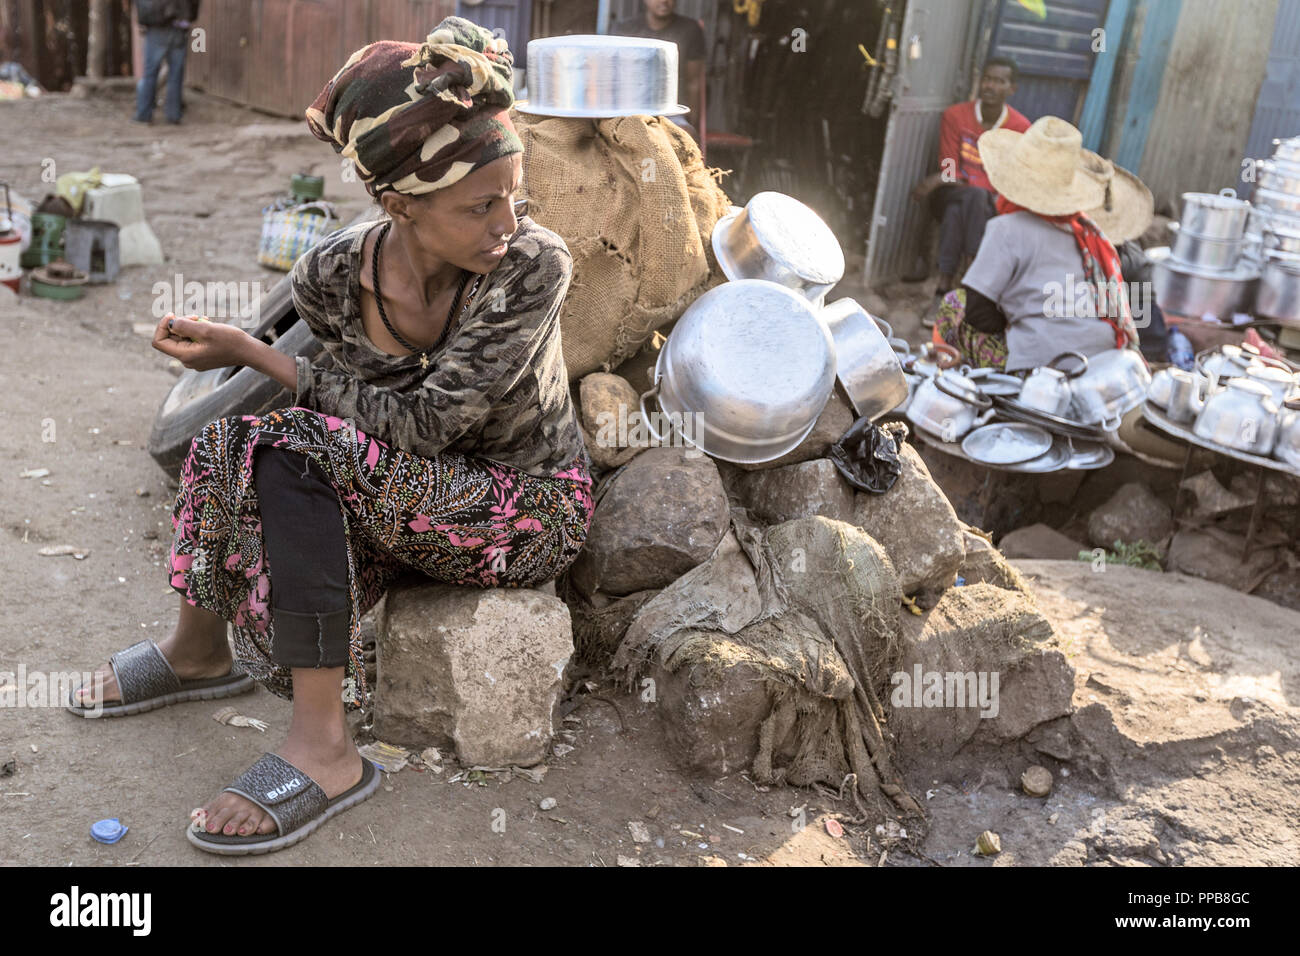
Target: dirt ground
{"points": [[1182, 750]]}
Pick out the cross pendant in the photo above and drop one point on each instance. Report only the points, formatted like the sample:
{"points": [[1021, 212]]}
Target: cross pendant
{"points": [[424, 361]]}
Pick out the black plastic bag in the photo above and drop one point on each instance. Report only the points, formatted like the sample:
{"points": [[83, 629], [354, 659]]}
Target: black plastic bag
{"points": [[867, 455]]}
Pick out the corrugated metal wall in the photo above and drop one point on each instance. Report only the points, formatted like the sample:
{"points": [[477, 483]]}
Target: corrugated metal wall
{"points": [[276, 55], [1211, 82], [926, 87], [1054, 55], [1277, 114]]}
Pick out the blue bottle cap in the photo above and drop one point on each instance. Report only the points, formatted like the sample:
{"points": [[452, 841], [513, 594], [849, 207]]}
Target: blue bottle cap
{"points": [[108, 831]]}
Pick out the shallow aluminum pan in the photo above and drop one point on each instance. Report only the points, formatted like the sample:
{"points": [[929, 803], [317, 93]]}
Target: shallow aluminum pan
{"points": [[1087, 455], [777, 238], [866, 364], [1287, 150], [1279, 177], [1006, 443], [1054, 459], [601, 76]]}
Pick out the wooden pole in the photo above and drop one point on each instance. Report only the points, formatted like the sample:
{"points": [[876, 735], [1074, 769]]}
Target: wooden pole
{"points": [[98, 41]]}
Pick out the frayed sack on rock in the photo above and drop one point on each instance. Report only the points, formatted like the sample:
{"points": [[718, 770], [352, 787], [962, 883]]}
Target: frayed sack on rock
{"points": [[812, 607], [636, 206]]}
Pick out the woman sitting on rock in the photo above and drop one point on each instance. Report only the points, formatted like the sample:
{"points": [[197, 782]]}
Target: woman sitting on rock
{"points": [[442, 439], [1045, 280]]}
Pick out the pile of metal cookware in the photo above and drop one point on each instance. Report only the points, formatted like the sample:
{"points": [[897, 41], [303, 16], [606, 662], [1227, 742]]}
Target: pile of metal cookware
{"points": [[1062, 415], [1230, 256], [1236, 401], [755, 359]]}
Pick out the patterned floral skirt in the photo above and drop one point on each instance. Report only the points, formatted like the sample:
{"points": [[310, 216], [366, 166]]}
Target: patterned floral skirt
{"points": [[455, 519], [978, 349]]}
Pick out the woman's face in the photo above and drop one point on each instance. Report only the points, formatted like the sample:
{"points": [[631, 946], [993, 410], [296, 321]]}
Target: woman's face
{"points": [[467, 224]]}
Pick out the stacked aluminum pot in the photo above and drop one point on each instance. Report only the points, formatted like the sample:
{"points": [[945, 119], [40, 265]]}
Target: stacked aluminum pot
{"points": [[1208, 270], [1277, 199]]}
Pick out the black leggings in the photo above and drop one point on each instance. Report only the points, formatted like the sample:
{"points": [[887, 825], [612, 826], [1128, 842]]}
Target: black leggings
{"points": [[306, 554]]}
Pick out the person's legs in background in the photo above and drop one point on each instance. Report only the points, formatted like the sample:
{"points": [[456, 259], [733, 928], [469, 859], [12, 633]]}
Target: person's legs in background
{"points": [[155, 49], [176, 51]]}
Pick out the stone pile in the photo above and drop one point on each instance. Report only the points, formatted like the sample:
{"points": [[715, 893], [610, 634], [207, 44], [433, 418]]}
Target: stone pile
{"points": [[769, 609]]}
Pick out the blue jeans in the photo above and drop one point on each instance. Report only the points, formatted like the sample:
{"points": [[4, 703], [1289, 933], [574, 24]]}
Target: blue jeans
{"points": [[162, 43]]}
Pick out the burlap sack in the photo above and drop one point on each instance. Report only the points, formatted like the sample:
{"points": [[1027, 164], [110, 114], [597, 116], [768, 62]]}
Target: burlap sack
{"points": [[634, 202]]}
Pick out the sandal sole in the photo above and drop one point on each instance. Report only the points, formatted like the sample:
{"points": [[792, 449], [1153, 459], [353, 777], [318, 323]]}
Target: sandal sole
{"points": [[233, 689], [362, 791]]}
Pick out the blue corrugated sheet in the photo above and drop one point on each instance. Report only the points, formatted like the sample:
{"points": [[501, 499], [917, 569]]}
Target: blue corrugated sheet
{"points": [[1054, 54], [1277, 111], [1144, 95], [1092, 123]]}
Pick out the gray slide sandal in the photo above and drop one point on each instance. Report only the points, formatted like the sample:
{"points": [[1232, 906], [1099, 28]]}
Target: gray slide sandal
{"points": [[146, 682], [295, 802]]}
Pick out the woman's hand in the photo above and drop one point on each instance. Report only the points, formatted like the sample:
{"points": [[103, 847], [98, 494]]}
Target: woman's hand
{"points": [[201, 345]]}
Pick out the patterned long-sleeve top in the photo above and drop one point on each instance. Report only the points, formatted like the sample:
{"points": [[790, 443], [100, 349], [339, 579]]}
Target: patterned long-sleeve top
{"points": [[497, 389]]}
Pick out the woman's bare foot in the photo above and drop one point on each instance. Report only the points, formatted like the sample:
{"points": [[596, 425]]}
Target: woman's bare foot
{"points": [[196, 649], [319, 744], [336, 769]]}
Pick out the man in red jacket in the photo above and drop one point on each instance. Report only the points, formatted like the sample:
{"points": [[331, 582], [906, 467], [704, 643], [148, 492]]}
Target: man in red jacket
{"points": [[959, 195]]}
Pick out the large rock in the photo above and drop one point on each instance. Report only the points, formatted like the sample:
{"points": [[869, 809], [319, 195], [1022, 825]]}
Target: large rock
{"points": [[985, 564], [1132, 514], [917, 527], [611, 420], [658, 518], [835, 419], [1040, 541], [973, 635], [711, 712], [797, 491], [1216, 556], [478, 671]]}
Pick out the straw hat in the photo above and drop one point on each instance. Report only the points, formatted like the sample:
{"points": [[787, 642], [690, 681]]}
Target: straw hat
{"points": [[1128, 207], [1041, 169]]}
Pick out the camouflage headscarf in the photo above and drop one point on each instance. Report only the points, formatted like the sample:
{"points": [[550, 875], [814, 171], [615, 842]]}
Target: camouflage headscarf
{"points": [[420, 117]]}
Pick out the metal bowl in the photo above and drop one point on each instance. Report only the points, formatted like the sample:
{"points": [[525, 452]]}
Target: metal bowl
{"points": [[866, 364], [753, 363], [601, 76], [778, 238]]}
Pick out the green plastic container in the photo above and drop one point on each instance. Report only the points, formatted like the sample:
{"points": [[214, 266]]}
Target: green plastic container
{"points": [[47, 240], [306, 188]]}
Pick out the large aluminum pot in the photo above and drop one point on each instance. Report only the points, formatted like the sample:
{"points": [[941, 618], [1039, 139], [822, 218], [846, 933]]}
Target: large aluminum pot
{"points": [[948, 405], [1202, 252], [1242, 416], [1215, 217], [1184, 290], [866, 364], [778, 238], [1281, 236], [753, 364], [1279, 290], [601, 76], [1287, 150], [1114, 383], [1287, 446], [1279, 203], [1280, 177]]}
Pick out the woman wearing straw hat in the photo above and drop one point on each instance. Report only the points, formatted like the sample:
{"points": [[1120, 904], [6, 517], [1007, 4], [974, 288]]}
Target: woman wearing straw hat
{"points": [[441, 439], [1046, 280]]}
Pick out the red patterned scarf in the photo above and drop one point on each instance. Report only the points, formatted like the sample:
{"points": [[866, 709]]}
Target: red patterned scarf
{"points": [[1100, 266]]}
